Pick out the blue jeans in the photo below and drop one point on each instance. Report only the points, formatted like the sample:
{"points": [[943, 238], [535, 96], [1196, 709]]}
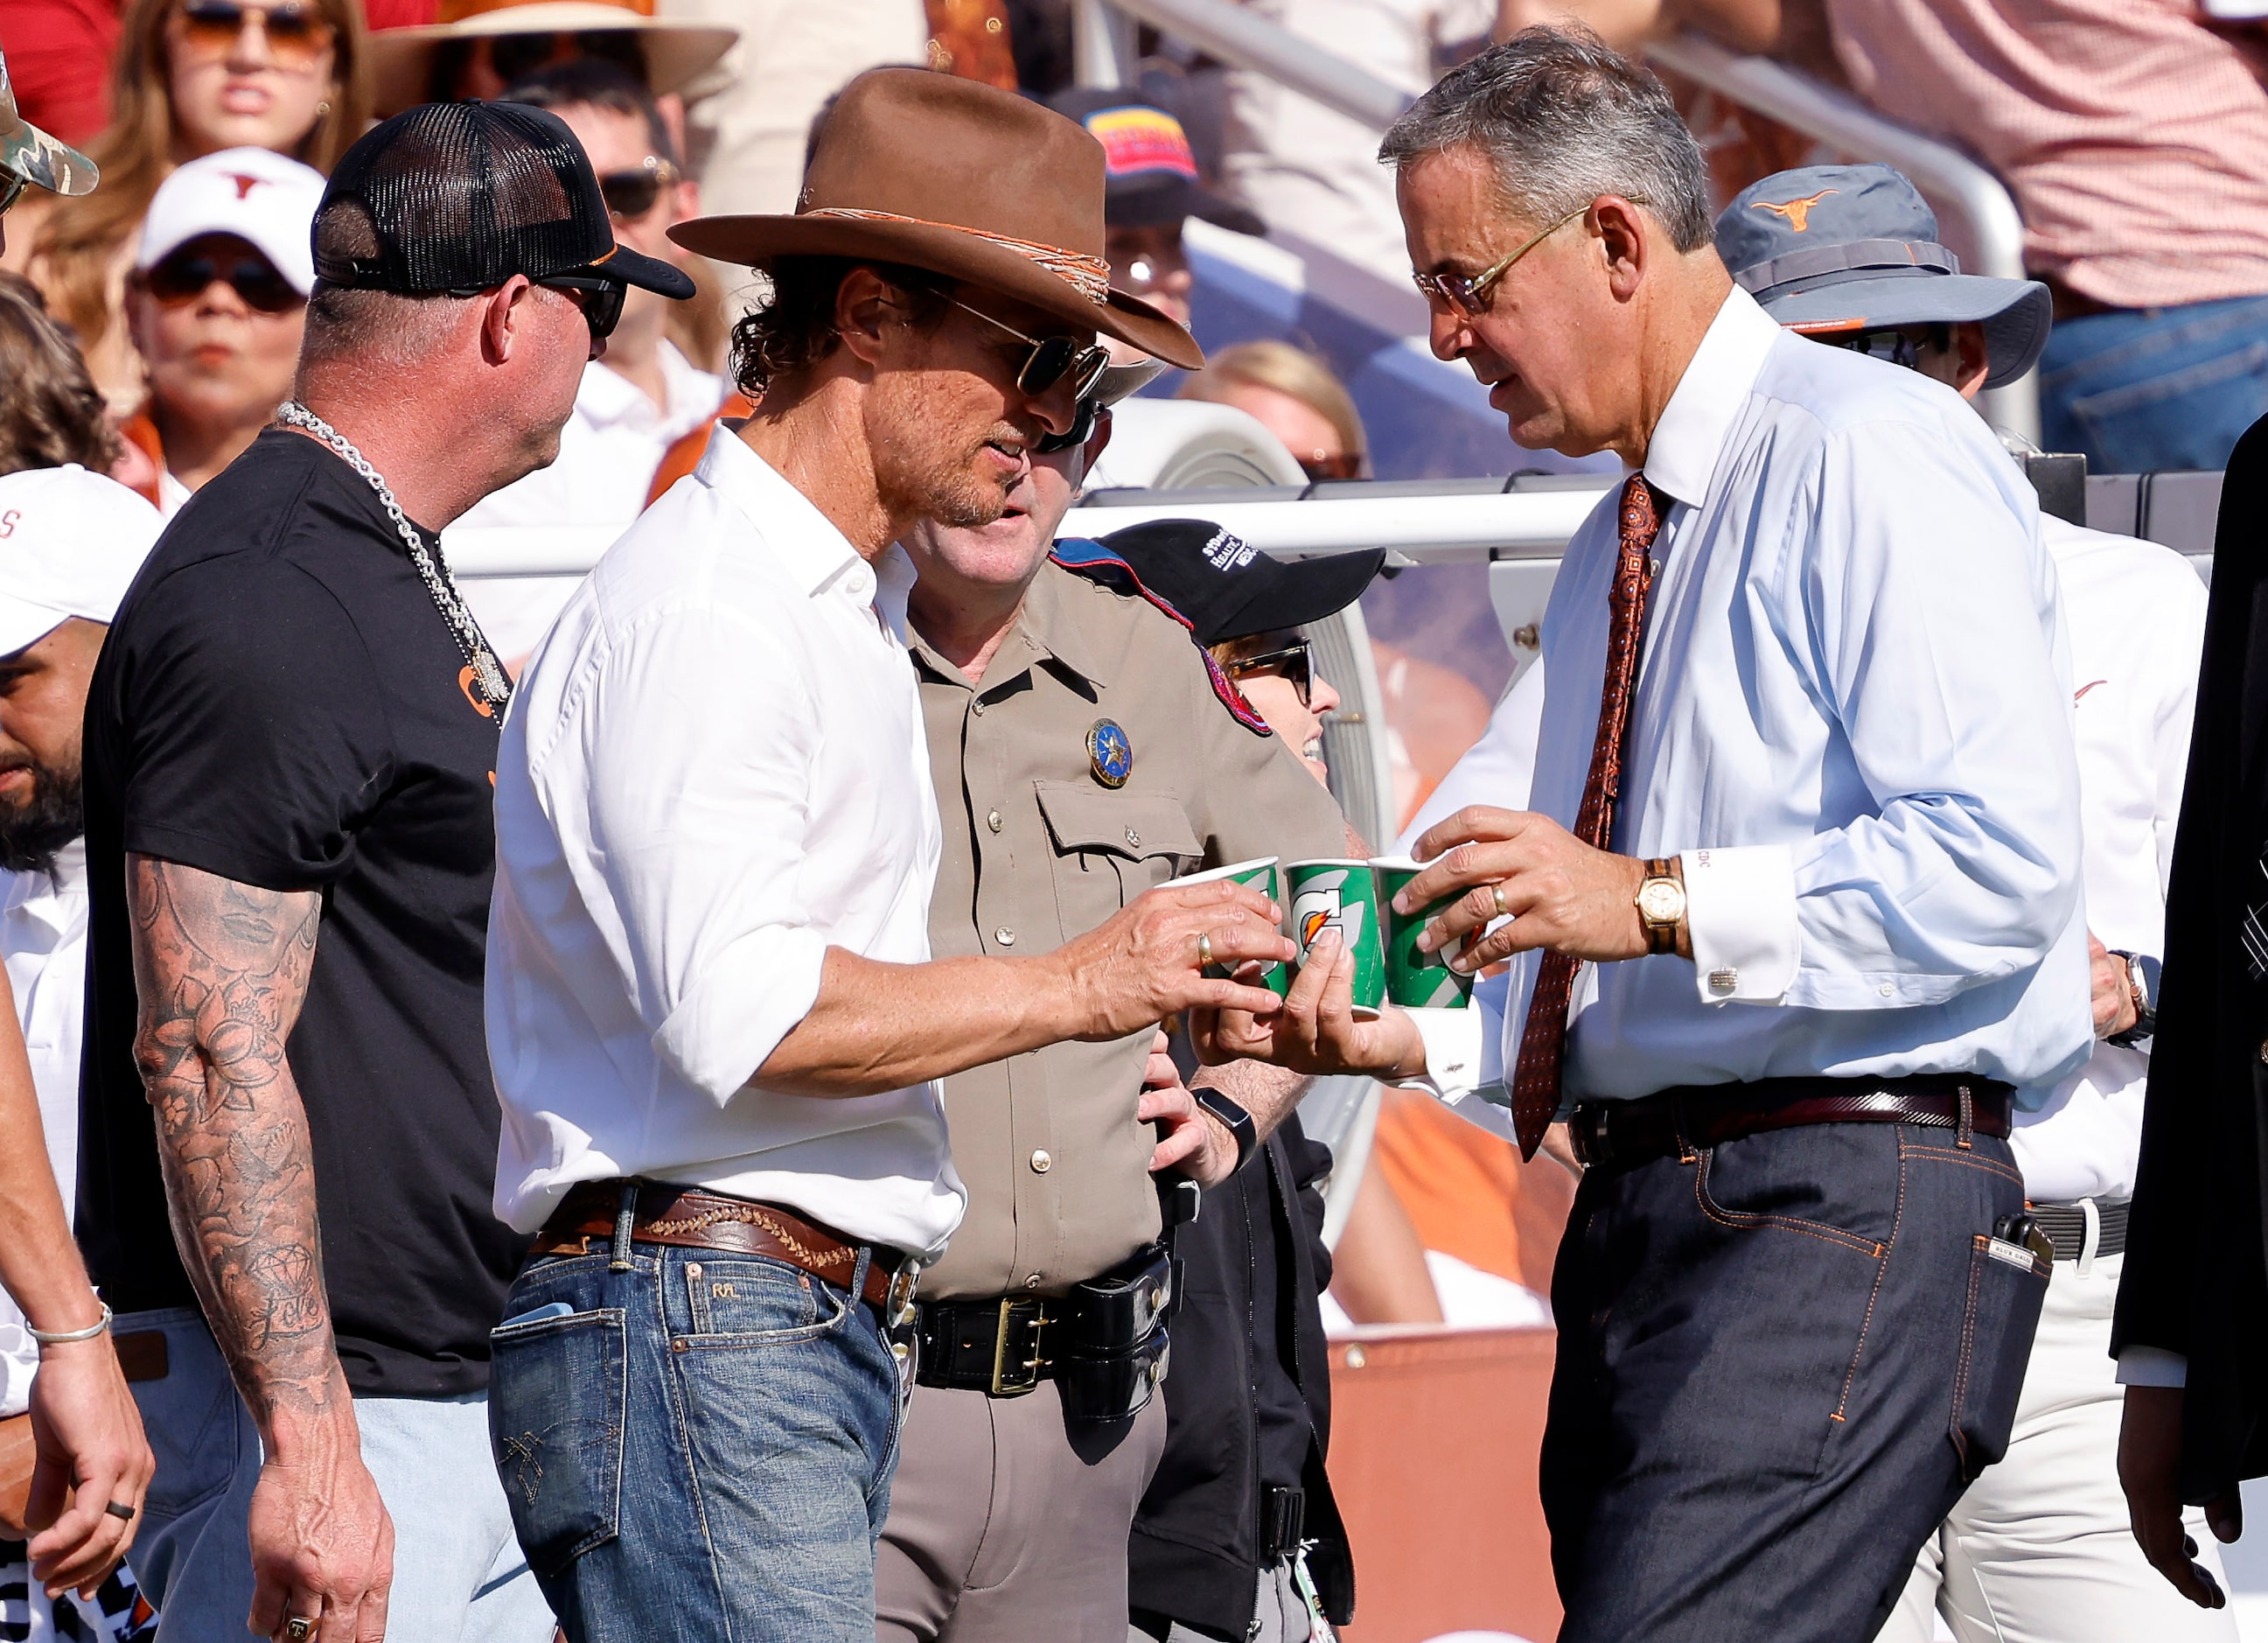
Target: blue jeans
{"points": [[459, 1576], [1779, 1361], [2141, 389], [701, 1449]]}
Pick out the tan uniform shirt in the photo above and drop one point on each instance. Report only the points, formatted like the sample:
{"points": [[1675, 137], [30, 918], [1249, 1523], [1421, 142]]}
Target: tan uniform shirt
{"points": [[1037, 850]]}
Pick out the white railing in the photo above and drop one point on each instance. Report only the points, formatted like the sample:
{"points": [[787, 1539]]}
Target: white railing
{"points": [[1960, 188]]}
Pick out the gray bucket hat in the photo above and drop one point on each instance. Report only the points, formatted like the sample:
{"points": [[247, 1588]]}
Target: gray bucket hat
{"points": [[1828, 248], [35, 156]]}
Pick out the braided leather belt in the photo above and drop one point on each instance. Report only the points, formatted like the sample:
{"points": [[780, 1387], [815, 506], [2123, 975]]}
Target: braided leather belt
{"points": [[1617, 1134], [686, 1218], [2065, 1226]]}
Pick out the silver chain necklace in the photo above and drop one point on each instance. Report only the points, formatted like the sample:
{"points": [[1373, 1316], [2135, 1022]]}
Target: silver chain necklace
{"points": [[495, 686]]}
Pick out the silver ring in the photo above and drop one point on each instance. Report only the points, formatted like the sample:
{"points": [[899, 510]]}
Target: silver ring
{"points": [[1205, 950], [1496, 892], [299, 1628]]}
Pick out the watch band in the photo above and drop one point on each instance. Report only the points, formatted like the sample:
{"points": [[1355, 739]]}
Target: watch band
{"points": [[1660, 937], [1239, 1120], [2145, 1010]]}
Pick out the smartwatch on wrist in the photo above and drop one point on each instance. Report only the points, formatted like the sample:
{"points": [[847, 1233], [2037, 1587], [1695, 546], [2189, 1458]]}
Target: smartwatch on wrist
{"points": [[2146, 1012], [1239, 1120]]}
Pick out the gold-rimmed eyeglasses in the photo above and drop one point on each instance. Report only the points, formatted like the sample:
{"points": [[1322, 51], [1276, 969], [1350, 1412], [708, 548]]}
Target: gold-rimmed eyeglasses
{"points": [[1467, 296]]}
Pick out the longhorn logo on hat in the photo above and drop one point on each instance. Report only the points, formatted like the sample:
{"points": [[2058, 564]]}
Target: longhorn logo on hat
{"points": [[1798, 212], [243, 185]]}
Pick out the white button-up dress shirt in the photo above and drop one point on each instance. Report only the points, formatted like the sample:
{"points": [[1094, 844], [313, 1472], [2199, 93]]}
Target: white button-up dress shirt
{"points": [[2135, 612], [714, 769], [43, 942], [1851, 721]]}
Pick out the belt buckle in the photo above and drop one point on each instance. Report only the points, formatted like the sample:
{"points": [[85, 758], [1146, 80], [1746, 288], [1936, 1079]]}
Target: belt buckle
{"points": [[1015, 1378], [898, 1299], [1587, 1134]]}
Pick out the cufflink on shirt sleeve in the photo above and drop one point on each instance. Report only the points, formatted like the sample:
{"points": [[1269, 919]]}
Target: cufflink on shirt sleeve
{"points": [[1453, 1041], [1739, 910]]}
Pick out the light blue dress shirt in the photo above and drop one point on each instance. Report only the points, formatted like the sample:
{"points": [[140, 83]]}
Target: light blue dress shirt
{"points": [[1852, 723]]}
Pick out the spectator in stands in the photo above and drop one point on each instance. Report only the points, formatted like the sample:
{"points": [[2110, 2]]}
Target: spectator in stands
{"points": [[51, 415], [476, 50], [642, 394], [1153, 189], [2135, 139], [192, 77], [1295, 396], [2040, 1545], [74, 541], [31, 159], [216, 306]]}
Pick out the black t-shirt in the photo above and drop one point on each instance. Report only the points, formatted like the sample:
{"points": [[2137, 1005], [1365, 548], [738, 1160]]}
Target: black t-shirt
{"points": [[280, 703]]}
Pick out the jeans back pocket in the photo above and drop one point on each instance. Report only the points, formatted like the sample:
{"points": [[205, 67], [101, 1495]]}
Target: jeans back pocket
{"points": [[2006, 1285], [557, 1396]]}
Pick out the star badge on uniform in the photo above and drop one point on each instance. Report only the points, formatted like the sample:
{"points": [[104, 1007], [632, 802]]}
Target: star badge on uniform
{"points": [[1110, 756]]}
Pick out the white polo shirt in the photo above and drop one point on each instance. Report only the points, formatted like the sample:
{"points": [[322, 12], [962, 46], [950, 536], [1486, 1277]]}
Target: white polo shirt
{"points": [[714, 769], [43, 942]]}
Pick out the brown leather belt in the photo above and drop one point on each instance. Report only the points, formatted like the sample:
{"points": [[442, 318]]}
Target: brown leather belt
{"points": [[1616, 1134], [686, 1218]]}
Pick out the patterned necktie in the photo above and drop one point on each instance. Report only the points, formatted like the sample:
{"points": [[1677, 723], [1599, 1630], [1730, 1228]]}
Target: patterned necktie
{"points": [[1536, 1079]]}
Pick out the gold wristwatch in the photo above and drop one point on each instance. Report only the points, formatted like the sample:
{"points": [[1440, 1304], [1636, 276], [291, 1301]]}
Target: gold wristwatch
{"points": [[1661, 905]]}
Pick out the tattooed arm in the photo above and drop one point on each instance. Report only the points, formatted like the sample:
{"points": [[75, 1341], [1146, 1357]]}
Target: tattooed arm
{"points": [[221, 968]]}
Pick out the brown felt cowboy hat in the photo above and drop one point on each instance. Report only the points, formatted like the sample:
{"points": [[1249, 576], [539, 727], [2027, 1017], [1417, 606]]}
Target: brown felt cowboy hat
{"points": [[950, 175]]}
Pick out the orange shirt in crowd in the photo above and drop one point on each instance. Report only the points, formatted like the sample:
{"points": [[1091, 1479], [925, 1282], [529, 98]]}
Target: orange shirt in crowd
{"points": [[1467, 1192]]}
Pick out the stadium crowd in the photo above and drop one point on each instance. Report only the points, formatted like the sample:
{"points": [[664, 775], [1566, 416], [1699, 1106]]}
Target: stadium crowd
{"points": [[832, 1077]]}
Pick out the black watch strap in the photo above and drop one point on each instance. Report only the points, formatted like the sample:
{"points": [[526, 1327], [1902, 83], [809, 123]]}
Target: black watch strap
{"points": [[1239, 1120], [2145, 1007]]}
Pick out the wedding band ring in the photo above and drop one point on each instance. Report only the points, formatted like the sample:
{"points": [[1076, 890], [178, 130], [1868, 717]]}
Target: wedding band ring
{"points": [[1496, 893], [120, 1509], [1205, 950], [299, 1628]]}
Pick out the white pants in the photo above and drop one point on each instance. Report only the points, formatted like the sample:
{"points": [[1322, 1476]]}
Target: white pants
{"points": [[2039, 1550]]}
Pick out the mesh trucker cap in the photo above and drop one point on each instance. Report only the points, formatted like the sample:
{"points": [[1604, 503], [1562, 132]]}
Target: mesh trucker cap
{"points": [[461, 197]]}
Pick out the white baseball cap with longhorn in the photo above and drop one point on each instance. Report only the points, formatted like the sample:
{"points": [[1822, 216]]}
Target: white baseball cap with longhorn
{"points": [[70, 544]]}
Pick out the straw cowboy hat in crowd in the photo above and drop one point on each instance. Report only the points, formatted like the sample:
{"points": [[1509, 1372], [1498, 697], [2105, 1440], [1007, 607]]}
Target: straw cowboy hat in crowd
{"points": [[952, 176], [676, 53]]}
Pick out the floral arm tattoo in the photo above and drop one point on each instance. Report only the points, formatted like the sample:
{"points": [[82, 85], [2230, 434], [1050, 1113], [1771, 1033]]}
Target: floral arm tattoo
{"points": [[221, 968]]}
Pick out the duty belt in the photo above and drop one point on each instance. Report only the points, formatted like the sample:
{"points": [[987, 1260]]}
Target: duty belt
{"points": [[1617, 1134], [1105, 1342]]}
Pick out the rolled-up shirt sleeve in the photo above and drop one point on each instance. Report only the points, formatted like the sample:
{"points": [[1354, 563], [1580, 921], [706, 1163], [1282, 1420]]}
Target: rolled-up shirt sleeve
{"points": [[696, 735], [1935, 646]]}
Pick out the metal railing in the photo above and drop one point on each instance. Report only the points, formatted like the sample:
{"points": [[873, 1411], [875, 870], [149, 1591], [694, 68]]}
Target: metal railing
{"points": [[1964, 190]]}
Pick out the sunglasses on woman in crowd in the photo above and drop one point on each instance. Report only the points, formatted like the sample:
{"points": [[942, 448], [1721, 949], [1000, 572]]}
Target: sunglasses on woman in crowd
{"points": [[297, 34], [1295, 663], [188, 274]]}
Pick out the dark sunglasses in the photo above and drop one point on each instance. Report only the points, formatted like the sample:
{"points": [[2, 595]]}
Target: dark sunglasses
{"points": [[1052, 358], [1895, 348], [186, 275], [603, 300], [1345, 465], [11, 189], [513, 56], [630, 195], [295, 33], [1295, 662]]}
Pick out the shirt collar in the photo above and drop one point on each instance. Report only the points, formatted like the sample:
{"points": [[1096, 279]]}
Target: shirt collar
{"points": [[1044, 629], [804, 540], [50, 898], [1710, 396], [607, 397]]}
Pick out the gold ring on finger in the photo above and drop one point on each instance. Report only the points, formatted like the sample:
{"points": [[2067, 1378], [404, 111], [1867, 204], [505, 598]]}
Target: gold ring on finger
{"points": [[1496, 894], [299, 1628], [1205, 950]]}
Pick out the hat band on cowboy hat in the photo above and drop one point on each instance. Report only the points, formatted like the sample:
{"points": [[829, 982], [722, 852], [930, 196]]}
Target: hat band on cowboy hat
{"points": [[1090, 276]]}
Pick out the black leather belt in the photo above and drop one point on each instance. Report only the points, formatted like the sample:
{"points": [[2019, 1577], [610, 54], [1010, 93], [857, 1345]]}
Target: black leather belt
{"points": [[1106, 1341], [1000, 1347], [2065, 1226], [1617, 1134]]}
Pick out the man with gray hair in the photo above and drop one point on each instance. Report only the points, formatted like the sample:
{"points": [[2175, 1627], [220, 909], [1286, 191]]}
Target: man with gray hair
{"points": [[1794, 909]]}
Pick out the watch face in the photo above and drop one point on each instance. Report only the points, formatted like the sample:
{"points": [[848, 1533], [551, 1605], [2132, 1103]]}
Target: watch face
{"points": [[1659, 901]]}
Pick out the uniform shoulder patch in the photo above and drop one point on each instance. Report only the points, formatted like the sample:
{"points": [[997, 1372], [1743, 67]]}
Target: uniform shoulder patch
{"points": [[1082, 556]]}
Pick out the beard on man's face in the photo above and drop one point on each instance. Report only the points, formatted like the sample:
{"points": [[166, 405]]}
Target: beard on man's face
{"points": [[31, 831], [923, 467]]}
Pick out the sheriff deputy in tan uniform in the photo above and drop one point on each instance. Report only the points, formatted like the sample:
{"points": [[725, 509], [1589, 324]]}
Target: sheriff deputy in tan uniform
{"points": [[1083, 749]]}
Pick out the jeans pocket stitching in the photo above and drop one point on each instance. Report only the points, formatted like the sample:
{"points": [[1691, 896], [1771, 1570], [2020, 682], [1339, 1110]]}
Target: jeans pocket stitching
{"points": [[1750, 1220], [733, 1340], [1968, 1352], [1947, 1155], [227, 1407], [1873, 1295]]}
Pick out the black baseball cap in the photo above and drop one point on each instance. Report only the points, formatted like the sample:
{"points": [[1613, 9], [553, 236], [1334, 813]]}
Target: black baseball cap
{"points": [[1227, 588], [461, 197], [1150, 172]]}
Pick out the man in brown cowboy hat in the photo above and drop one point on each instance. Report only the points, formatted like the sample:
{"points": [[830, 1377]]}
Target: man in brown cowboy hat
{"points": [[715, 1025]]}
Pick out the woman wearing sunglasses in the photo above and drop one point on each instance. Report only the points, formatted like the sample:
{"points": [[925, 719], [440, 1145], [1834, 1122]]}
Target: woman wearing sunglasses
{"points": [[192, 77]]}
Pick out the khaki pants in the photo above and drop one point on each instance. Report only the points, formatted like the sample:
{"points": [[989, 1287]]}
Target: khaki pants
{"points": [[1006, 1525], [2039, 1550]]}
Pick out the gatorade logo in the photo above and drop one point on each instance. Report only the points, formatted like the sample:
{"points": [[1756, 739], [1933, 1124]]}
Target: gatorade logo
{"points": [[1321, 905]]}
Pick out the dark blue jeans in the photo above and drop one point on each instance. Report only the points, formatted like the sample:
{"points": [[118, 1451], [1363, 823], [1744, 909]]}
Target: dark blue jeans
{"points": [[1779, 1361], [2145, 388], [701, 1449]]}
